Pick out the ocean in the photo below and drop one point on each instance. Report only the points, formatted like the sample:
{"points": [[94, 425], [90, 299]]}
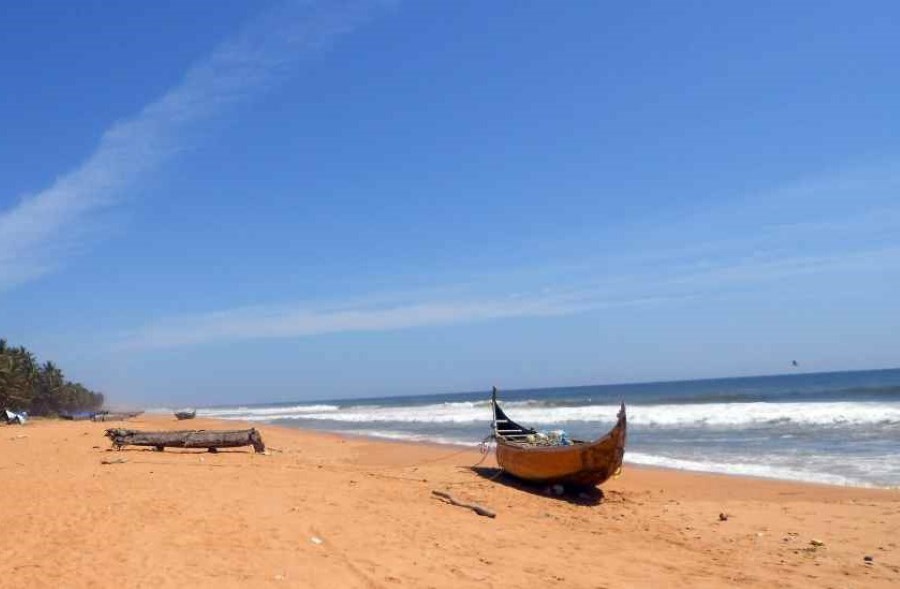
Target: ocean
{"points": [[838, 428]]}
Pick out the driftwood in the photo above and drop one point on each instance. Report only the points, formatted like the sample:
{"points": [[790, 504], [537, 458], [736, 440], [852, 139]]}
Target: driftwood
{"points": [[473, 506], [209, 439]]}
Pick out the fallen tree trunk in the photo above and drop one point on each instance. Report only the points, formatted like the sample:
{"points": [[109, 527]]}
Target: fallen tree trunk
{"points": [[210, 439]]}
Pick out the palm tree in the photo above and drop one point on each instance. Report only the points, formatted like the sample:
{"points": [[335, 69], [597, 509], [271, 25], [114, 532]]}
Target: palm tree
{"points": [[17, 377], [46, 394], [43, 390]]}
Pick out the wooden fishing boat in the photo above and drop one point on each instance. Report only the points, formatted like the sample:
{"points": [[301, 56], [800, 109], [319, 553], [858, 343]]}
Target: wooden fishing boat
{"points": [[578, 464], [186, 414]]}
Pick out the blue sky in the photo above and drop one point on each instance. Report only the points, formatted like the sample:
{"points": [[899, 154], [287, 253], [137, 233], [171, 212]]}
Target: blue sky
{"points": [[216, 202]]}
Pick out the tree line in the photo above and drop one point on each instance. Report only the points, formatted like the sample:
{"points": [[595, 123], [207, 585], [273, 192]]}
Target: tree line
{"points": [[40, 389]]}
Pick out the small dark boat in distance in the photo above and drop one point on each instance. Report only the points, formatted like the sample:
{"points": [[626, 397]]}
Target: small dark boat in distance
{"points": [[579, 463], [191, 414]]}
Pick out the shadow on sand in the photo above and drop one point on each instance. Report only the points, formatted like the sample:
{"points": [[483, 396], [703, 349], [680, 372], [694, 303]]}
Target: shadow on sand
{"points": [[575, 495]]}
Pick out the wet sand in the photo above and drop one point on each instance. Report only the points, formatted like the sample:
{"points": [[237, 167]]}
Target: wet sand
{"points": [[322, 510]]}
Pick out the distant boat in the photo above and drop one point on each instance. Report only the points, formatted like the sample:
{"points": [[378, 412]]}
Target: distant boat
{"points": [[190, 414], [577, 463]]}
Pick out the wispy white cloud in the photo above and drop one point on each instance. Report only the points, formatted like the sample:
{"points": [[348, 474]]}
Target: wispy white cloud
{"points": [[381, 314], [42, 228], [764, 244], [308, 320]]}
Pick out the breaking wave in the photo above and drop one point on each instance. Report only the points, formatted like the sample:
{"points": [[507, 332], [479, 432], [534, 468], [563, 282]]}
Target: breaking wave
{"points": [[720, 415], [265, 413], [791, 473]]}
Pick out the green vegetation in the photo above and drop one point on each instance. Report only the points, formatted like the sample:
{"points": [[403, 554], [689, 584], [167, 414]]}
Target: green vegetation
{"points": [[40, 389]]}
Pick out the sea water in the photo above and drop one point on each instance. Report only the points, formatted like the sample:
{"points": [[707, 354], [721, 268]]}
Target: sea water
{"points": [[839, 428]]}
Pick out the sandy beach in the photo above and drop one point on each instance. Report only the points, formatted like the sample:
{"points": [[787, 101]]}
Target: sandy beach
{"points": [[327, 511]]}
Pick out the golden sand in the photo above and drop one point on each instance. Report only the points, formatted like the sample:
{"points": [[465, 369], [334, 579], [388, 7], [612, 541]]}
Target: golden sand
{"points": [[328, 511]]}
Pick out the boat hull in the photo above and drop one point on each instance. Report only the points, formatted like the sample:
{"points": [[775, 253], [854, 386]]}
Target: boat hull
{"points": [[583, 464]]}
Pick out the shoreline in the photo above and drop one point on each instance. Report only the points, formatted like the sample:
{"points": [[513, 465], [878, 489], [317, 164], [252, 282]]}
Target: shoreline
{"points": [[474, 447], [326, 509]]}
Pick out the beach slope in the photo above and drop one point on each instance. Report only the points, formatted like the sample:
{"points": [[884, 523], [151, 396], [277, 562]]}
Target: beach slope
{"points": [[327, 511]]}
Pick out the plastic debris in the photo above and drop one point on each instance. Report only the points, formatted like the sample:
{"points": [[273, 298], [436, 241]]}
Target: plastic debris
{"points": [[15, 418], [555, 437]]}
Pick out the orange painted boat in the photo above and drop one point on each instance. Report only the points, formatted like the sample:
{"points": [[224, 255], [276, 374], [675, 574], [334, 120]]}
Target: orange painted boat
{"points": [[579, 463]]}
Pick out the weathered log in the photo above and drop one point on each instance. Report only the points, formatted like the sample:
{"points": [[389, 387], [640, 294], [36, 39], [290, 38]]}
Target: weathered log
{"points": [[210, 439]]}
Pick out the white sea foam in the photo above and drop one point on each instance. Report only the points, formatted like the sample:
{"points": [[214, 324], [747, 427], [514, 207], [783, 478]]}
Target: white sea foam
{"points": [[687, 415], [748, 414], [409, 437], [745, 469], [265, 413]]}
